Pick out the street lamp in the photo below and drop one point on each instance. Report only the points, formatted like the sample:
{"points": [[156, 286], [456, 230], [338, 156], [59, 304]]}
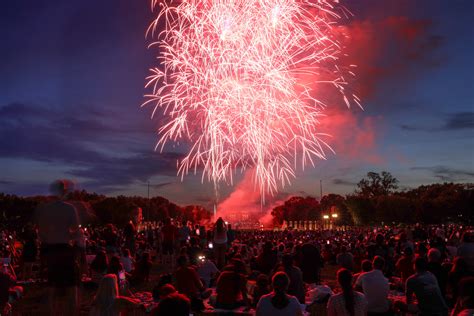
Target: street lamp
{"points": [[325, 223], [334, 215]]}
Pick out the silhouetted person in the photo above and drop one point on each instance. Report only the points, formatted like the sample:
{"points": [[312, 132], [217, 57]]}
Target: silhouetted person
{"points": [[466, 250], [310, 263], [58, 224], [435, 266], [457, 273], [348, 302], [345, 259], [278, 303], [267, 259], [375, 287], [465, 302], [220, 242], [425, 287], [296, 286], [108, 301], [174, 304]]}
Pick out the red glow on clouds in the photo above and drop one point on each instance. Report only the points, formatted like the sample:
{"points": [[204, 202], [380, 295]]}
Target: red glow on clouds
{"points": [[352, 137], [387, 48]]}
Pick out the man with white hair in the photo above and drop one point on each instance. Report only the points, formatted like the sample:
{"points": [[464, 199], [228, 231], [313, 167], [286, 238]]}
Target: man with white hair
{"points": [[58, 224], [435, 267], [375, 287]]}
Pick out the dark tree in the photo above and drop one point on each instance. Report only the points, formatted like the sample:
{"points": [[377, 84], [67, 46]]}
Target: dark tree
{"points": [[376, 184], [361, 208], [337, 203], [297, 208]]}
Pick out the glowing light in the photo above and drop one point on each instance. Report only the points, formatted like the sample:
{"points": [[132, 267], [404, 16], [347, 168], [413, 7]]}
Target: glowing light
{"points": [[240, 82], [326, 216], [334, 215]]}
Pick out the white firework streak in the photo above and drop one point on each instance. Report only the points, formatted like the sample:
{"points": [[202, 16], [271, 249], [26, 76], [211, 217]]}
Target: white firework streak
{"points": [[238, 80]]}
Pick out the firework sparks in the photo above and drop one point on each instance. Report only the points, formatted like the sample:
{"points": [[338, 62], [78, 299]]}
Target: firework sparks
{"points": [[240, 81]]}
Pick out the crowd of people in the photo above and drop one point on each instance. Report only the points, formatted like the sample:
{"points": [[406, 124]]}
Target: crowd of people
{"points": [[192, 268]]}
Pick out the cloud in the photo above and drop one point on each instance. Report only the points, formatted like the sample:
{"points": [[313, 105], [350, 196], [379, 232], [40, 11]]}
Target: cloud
{"points": [[123, 171], [392, 46], [80, 140], [350, 136], [461, 120], [450, 122], [344, 182], [407, 127], [161, 185], [448, 174], [205, 199]]}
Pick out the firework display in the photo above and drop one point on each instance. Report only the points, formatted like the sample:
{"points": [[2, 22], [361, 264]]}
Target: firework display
{"points": [[244, 83]]}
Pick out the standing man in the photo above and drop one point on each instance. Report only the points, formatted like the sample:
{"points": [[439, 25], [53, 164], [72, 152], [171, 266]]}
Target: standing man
{"points": [[58, 224], [169, 235], [184, 233]]}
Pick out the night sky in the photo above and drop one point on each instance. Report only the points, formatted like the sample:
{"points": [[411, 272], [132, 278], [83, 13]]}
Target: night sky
{"points": [[72, 82]]}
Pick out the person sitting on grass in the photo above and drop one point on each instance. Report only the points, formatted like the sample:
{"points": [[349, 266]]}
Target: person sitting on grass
{"points": [[7, 281], [99, 267], [127, 261], [426, 289], [278, 303], [465, 303], [375, 287], [435, 266], [262, 287], [232, 286], [142, 269], [404, 265], [207, 270], [174, 304], [108, 302], [348, 302], [365, 266], [187, 279], [115, 267]]}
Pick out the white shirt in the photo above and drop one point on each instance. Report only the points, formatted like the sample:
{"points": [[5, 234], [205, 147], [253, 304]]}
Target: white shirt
{"points": [[376, 287], [337, 305], [220, 238], [452, 251], [205, 270], [265, 307], [127, 264]]}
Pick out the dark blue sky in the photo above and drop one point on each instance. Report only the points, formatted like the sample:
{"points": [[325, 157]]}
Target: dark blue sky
{"points": [[72, 77]]}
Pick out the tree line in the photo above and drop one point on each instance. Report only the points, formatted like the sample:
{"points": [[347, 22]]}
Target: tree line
{"points": [[376, 200], [102, 209]]}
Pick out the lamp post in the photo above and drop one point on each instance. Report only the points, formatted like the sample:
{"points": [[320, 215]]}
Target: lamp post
{"points": [[326, 218], [333, 218]]}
